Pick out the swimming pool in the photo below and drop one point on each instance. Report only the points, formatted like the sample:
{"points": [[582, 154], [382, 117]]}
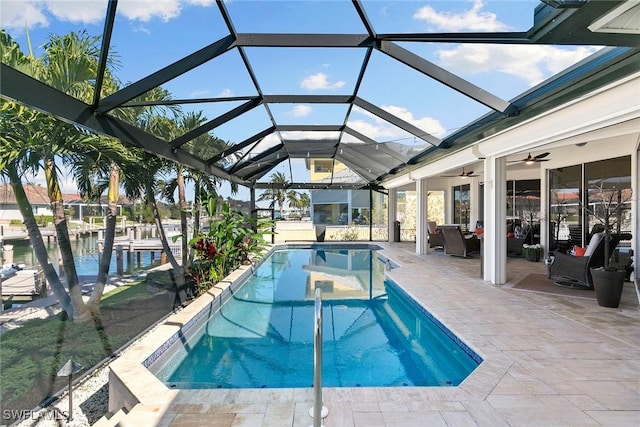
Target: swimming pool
{"points": [[375, 335]]}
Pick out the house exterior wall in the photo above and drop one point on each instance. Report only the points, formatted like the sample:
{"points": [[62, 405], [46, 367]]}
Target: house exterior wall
{"points": [[10, 211], [601, 125]]}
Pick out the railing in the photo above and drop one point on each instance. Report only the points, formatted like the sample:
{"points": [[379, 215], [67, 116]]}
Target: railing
{"points": [[318, 412]]}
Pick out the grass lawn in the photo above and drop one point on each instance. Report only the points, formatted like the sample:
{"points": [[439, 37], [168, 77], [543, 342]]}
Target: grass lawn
{"points": [[30, 356]]}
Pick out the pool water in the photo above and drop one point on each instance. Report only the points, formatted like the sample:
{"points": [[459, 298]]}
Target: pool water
{"points": [[374, 335]]}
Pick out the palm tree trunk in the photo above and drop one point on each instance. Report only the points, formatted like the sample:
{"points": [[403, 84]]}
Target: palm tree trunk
{"points": [[182, 201], [109, 236], [39, 249], [177, 268], [197, 213], [64, 242]]}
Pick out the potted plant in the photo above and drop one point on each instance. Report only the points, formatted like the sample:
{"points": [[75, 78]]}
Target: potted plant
{"points": [[608, 202]]}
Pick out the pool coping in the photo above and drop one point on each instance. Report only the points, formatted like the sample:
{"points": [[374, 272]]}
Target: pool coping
{"points": [[131, 383]]}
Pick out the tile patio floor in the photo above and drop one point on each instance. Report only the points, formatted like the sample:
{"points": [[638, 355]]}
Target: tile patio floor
{"points": [[550, 360]]}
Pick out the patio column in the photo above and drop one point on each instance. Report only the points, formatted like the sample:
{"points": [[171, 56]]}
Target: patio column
{"points": [[252, 202], [495, 220], [391, 212], [421, 217], [635, 209]]}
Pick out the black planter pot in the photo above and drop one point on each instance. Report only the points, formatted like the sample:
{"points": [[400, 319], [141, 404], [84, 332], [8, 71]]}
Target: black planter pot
{"points": [[608, 286]]}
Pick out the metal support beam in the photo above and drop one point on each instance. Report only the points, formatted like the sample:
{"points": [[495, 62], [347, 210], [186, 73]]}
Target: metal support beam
{"points": [[104, 50], [212, 124], [167, 73], [28, 91], [240, 145], [307, 99], [395, 120], [316, 128], [443, 76], [303, 40]]}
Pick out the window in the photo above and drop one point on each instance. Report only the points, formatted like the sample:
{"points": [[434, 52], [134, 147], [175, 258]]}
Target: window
{"points": [[322, 166], [571, 225], [523, 205], [461, 205], [609, 182]]}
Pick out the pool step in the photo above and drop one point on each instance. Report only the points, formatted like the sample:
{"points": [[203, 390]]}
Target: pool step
{"points": [[139, 415], [111, 420]]}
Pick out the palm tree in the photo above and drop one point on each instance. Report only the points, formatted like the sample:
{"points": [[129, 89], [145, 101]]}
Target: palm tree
{"points": [[304, 202], [275, 195], [95, 172], [22, 128], [144, 177], [70, 65], [30, 154], [204, 146], [293, 198]]}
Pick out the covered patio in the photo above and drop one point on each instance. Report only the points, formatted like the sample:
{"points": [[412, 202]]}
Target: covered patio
{"points": [[551, 356]]}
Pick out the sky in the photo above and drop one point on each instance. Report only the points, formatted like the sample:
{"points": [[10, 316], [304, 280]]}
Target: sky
{"points": [[151, 34]]}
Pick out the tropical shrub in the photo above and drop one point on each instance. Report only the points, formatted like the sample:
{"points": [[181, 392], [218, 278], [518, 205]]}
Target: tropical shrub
{"points": [[232, 240]]}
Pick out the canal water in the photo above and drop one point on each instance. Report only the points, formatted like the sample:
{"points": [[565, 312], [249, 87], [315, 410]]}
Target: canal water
{"points": [[85, 251]]}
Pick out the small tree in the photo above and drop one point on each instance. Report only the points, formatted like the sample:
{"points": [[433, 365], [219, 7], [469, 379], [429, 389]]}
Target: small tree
{"points": [[608, 202]]}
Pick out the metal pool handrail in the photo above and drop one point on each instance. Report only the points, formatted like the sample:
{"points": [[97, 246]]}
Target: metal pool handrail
{"points": [[318, 412]]}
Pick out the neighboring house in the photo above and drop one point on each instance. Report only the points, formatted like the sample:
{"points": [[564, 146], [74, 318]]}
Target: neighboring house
{"points": [[336, 206], [36, 194], [39, 199]]}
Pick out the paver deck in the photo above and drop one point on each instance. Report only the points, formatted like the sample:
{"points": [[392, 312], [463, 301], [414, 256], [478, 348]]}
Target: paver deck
{"points": [[549, 360]]}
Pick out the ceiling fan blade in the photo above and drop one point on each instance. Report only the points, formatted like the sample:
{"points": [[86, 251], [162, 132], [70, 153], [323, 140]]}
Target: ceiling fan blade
{"points": [[467, 173], [540, 156]]}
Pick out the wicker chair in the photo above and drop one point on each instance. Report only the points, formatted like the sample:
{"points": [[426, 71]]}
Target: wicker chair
{"points": [[456, 243], [435, 235], [574, 271]]}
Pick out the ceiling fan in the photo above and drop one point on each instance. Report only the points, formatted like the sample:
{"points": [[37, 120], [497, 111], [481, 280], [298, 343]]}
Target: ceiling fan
{"points": [[534, 159], [463, 174]]}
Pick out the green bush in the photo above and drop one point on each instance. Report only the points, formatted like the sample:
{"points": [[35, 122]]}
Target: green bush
{"points": [[16, 222], [42, 220], [230, 242]]}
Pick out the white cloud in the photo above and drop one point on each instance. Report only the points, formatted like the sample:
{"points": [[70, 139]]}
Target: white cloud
{"points": [[473, 19], [198, 93], [320, 81], [145, 10], [16, 13], [225, 93], [381, 130], [530, 63], [301, 110]]}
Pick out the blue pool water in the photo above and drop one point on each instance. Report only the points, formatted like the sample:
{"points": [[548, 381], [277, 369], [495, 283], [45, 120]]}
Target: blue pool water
{"points": [[374, 335]]}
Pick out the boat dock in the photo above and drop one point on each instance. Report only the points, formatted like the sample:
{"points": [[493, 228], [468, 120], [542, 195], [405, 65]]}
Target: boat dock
{"points": [[22, 286]]}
